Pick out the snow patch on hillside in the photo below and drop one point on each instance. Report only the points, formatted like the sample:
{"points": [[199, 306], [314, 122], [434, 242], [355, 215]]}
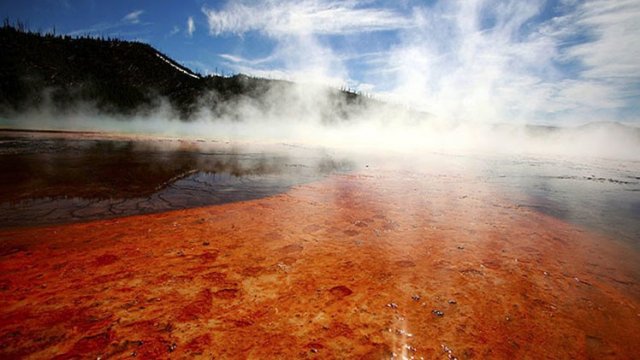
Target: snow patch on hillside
{"points": [[177, 67]]}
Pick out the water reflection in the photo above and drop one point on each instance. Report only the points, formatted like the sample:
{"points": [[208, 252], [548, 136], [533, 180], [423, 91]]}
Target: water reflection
{"points": [[441, 256], [600, 194], [52, 180]]}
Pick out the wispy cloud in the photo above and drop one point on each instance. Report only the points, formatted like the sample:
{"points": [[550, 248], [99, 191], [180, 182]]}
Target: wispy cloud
{"points": [[578, 66], [615, 51], [296, 28], [133, 17], [174, 30], [115, 27], [232, 58], [276, 18], [242, 60], [481, 60], [191, 26], [95, 29]]}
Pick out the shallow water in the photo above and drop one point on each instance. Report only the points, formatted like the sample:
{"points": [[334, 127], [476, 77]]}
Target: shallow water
{"points": [[441, 256], [600, 194], [51, 178]]}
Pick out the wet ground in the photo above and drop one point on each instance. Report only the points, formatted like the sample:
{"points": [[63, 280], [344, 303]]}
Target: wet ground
{"points": [[439, 260], [61, 177]]}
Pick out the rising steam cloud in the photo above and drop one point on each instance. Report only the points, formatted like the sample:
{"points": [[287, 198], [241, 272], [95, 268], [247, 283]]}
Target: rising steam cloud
{"points": [[485, 60], [455, 76]]}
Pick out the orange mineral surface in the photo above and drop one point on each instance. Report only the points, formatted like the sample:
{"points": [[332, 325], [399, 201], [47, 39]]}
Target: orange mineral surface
{"points": [[360, 265]]}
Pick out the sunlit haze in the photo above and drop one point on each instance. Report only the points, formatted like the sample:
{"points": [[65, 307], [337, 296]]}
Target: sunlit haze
{"points": [[320, 179], [546, 62]]}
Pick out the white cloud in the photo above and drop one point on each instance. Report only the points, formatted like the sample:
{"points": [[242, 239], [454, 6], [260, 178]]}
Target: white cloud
{"points": [[114, 28], [191, 26], [615, 51], [232, 58], [450, 65], [516, 69], [296, 26], [174, 30], [133, 17], [302, 59], [481, 60], [240, 59], [276, 18]]}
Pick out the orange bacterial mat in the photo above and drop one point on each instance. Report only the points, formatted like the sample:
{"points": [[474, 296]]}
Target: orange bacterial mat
{"points": [[365, 265]]}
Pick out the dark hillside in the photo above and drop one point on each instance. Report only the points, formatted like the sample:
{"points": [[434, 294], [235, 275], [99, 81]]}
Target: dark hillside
{"points": [[117, 77]]}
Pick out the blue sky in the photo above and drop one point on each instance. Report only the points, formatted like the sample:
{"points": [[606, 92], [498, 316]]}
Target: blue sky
{"points": [[563, 61]]}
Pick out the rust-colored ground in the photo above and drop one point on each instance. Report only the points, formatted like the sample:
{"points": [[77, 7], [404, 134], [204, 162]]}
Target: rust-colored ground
{"points": [[363, 265]]}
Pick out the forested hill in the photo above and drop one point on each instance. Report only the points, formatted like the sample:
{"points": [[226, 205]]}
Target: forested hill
{"points": [[116, 77]]}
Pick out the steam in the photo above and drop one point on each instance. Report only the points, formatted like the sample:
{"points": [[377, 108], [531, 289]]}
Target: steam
{"points": [[471, 61], [309, 116], [470, 76]]}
